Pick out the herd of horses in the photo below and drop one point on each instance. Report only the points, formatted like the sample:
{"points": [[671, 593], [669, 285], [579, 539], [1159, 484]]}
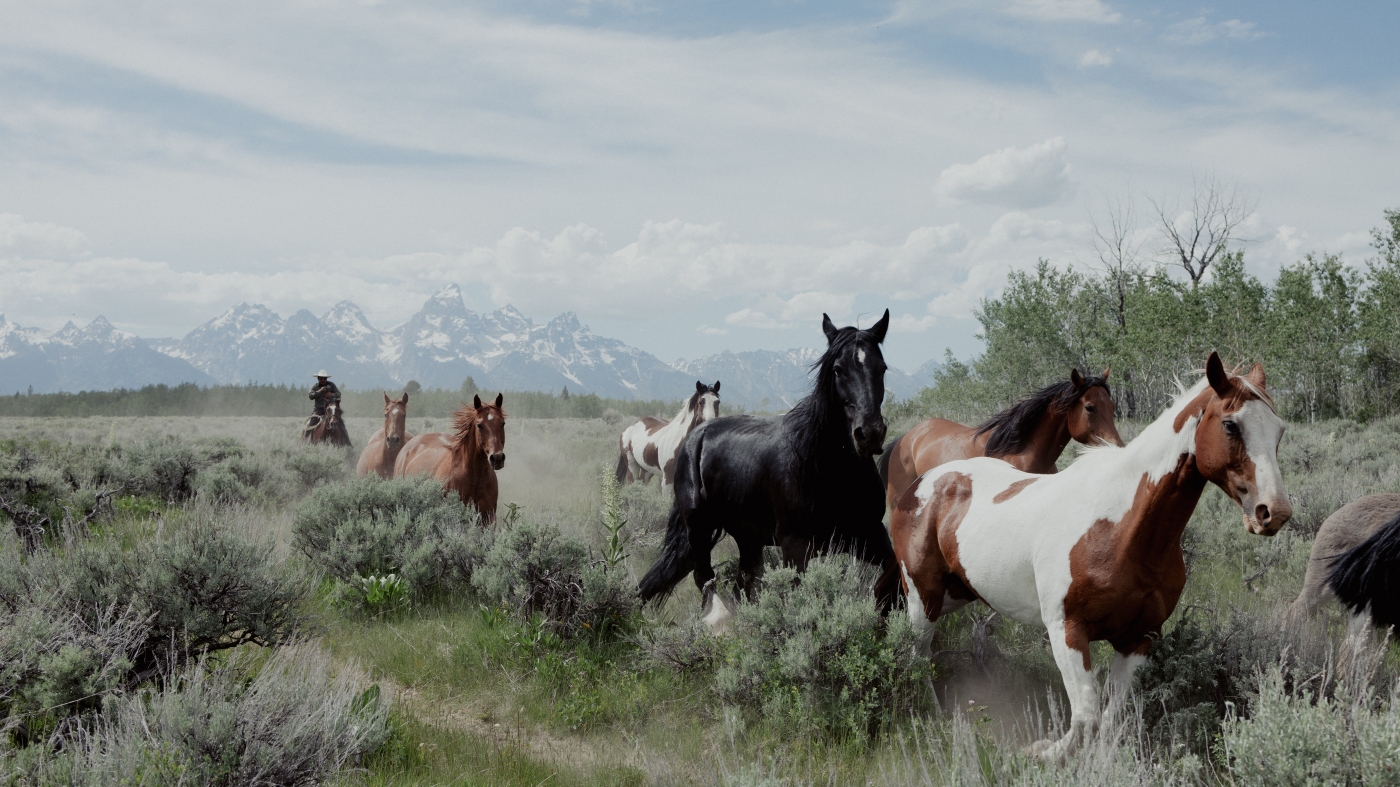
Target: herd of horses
{"points": [[1089, 553]]}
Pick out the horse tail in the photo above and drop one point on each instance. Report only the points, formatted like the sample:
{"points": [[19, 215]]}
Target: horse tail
{"points": [[883, 463], [621, 471], [675, 561], [1368, 575]]}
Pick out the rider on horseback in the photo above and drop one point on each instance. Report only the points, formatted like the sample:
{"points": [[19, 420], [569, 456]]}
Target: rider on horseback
{"points": [[323, 393]]}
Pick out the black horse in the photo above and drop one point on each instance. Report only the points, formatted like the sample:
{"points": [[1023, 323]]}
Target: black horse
{"points": [[804, 481]]}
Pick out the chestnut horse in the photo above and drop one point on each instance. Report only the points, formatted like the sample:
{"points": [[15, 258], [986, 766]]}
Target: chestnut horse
{"points": [[467, 460], [383, 446], [329, 428], [1094, 552], [1029, 435]]}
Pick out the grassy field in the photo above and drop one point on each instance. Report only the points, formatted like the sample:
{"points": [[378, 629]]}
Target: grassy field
{"points": [[485, 696]]}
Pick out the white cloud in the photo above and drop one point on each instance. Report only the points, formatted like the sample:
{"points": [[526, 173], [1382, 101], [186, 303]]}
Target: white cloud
{"points": [[750, 318], [710, 330], [1199, 30], [1094, 58], [1027, 177], [1291, 237], [38, 239], [1065, 11]]}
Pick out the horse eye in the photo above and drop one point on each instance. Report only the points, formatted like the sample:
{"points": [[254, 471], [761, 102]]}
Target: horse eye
{"points": [[839, 371], [1088, 408], [1232, 428]]}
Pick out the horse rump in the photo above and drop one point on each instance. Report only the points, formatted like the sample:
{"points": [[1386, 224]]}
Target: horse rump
{"points": [[675, 562], [1367, 576]]}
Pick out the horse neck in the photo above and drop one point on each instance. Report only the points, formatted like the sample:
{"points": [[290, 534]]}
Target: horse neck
{"points": [[1047, 442], [1161, 465], [466, 455], [685, 420], [816, 435]]}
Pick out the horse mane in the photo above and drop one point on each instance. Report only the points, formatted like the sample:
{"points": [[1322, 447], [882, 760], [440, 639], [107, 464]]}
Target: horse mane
{"points": [[811, 419], [1368, 575], [464, 419], [1011, 429]]}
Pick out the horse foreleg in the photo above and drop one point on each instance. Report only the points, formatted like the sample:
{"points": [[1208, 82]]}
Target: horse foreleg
{"points": [[750, 567], [1071, 648], [1127, 659]]}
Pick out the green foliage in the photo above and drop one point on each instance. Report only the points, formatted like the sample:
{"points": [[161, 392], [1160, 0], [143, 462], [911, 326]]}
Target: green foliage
{"points": [[614, 523], [816, 656], [375, 595], [1295, 737], [405, 527], [95, 619], [1325, 332], [297, 720], [537, 571]]}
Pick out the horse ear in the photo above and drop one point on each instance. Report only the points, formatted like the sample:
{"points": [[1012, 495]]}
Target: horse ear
{"points": [[716, 388], [386, 398], [1106, 370], [500, 398], [405, 397], [1076, 379], [1215, 373], [476, 401], [828, 328], [880, 328], [1256, 375], [699, 387]]}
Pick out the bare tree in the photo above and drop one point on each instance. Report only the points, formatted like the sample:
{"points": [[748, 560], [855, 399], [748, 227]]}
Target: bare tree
{"points": [[1118, 245], [1196, 236]]}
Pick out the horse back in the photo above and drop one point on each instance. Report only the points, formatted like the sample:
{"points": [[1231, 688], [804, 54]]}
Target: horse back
{"points": [[423, 454], [372, 458]]}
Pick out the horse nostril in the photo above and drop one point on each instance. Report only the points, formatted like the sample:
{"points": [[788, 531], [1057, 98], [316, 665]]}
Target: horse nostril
{"points": [[1261, 515], [860, 434]]}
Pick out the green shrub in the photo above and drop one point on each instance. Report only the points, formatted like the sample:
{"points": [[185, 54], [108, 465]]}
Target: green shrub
{"points": [[314, 465], [403, 526], [1300, 738], [535, 570], [816, 655], [96, 619], [297, 720]]}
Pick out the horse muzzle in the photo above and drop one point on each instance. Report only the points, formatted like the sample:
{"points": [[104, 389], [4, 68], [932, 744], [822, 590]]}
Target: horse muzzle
{"points": [[498, 461], [1266, 519], [869, 439]]}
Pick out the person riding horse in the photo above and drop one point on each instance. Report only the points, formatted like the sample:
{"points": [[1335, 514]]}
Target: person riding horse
{"points": [[323, 393]]}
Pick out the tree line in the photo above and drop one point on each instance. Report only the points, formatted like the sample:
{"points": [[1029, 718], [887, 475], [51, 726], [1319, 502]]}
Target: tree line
{"points": [[1328, 334], [190, 399]]}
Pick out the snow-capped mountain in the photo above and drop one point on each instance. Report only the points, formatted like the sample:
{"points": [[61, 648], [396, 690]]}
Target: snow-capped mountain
{"points": [[92, 358], [439, 346]]}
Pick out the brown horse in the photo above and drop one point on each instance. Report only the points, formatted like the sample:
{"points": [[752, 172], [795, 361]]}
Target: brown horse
{"points": [[1029, 435], [467, 460], [383, 446], [329, 428]]}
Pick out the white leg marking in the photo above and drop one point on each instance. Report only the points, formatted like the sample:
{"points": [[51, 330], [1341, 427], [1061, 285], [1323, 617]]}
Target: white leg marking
{"points": [[1120, 682], [1083, 699], [918, 616]]}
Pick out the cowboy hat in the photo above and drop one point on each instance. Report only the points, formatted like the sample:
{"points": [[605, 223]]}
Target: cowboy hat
{"points": [[323, 373]]}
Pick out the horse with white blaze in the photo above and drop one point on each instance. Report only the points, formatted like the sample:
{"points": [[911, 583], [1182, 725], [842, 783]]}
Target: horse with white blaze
{"points": [[648, 447], [1094, 552]]}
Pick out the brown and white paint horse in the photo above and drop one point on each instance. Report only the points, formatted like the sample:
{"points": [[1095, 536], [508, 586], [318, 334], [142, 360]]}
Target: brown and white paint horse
{"points": [[465, 461], [1093, 552], [649, 447], [384, 445], [1029, 435]]}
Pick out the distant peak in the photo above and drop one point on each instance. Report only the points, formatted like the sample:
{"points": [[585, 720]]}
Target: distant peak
{"points": [[567, 320], [449, 292], [100, 322]]}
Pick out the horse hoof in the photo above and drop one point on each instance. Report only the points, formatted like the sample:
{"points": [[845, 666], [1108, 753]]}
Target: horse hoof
{"points": [[1042, 750]]}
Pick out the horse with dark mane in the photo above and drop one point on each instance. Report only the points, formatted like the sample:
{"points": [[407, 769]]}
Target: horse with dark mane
{"points": [[329, 428], [1356, 557], [465, 461], [804, 481], [384, 445], [1029, 435]]}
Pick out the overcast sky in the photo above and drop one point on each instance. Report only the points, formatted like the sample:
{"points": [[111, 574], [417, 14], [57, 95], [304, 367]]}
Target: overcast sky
{"points": [[687, 177]]}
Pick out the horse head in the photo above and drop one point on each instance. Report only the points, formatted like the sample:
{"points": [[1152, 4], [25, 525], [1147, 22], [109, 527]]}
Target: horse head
{"points": [[395, 420], [332, 415], [1237, 439], [1090, 416], [704, 403], [851, 377], [490, 426]]}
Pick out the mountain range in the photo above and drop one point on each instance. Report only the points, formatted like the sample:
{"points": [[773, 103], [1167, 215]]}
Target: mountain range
{"points": [[439, 346]]}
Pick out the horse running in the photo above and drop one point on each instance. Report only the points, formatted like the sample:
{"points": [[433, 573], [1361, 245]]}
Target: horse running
{"points": [[329, 428], [1356, 557], [1094, 552], [804, 481], [383, 446], [1029, 435], [649, 447], [465, 461]]}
